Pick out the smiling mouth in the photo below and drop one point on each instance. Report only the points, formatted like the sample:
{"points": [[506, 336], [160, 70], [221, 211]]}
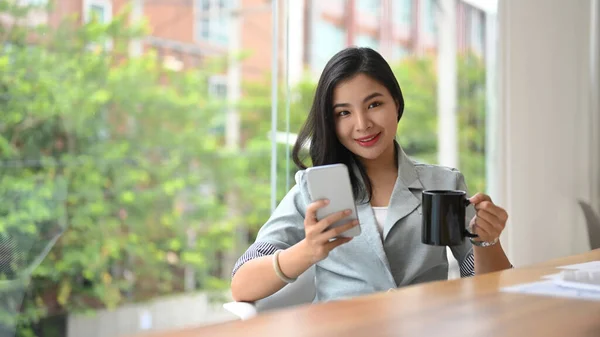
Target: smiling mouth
{"points": [[368, 141]]}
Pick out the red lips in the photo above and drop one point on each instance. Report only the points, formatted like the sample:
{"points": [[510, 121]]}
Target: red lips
{"points": [[368, 140]]}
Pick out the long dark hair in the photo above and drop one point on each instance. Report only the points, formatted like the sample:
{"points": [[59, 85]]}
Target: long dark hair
{"points": [[319, 128]]}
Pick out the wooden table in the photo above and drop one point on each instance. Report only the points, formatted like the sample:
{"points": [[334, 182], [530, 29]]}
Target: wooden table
{"points": [[466, 307]]}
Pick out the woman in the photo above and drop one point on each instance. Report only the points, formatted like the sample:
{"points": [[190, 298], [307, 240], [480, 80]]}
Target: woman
{"points": [[353, 120]]}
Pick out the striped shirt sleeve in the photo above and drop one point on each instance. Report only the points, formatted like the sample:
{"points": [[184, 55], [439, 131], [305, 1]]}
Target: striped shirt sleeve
{"points": [[467, 267], [258, 249]]}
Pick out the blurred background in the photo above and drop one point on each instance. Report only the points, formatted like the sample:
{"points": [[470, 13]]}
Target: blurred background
{"points": [[143, 143]]}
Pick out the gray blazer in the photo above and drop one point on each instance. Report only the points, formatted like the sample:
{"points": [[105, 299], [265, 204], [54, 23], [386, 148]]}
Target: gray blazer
{"points": [[368, 264]]}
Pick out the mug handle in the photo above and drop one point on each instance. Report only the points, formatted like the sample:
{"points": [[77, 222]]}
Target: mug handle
{"points": [[466, 233]]}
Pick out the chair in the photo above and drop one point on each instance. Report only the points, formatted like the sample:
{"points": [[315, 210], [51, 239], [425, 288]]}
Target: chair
{"points": [[302, 291], [593, 224]]}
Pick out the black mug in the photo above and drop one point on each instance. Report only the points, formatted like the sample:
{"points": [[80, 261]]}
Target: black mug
{"points": [[444, 217]]}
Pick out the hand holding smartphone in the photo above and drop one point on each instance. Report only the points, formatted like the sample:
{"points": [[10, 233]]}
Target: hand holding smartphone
{"points": [[332, 182]]}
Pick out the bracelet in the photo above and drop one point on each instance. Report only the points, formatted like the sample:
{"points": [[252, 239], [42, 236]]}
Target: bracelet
{"points": [[278, 269], [484, 243]]}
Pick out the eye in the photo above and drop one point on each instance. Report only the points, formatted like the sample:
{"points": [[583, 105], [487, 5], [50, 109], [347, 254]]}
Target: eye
{"points": [[343, 113], [374, 105]]}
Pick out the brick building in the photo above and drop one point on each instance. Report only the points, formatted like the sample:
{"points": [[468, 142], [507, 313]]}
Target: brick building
{"points": [[184, 32], [395, 28]]}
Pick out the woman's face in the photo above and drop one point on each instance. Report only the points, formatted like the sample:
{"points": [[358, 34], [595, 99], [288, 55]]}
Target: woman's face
{"points": [[366, 117]]}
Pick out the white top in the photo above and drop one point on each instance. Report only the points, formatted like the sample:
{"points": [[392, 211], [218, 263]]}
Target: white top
{"points": [[380, 215]]}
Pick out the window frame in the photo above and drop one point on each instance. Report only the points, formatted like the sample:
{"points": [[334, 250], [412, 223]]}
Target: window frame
{"points": [[106, 6], [204, 28]]}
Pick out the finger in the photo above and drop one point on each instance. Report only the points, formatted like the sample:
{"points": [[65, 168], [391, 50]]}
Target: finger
{"points": [[337, 231], [311, 210], [490, 207], [485, 229], [492, 219], [331, 219], [479, 197], [472, 225], [335, 243]]}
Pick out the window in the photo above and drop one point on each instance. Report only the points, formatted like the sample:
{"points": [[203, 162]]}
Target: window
{"points": [[99, 12], [34, 2], [370, 6], [172, 168], [429, 16], [328, 39], [212, 21], [101, 9], [402, 10], [204, 21], [399, 52], [476, 31], [217, 86], [217, 90], [364, 40]]}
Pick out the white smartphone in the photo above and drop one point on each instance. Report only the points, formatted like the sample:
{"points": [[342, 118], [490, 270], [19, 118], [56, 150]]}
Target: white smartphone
{"points": [[332, 182]]}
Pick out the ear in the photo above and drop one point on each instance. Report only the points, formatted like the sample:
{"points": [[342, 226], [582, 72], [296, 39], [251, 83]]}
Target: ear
{"points": [[397, 109]]}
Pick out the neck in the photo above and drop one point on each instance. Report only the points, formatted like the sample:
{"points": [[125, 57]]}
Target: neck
{"points": [[385, 163]]}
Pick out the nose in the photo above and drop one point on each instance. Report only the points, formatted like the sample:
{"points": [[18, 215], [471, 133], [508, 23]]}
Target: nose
{"points": [[362, 121]]}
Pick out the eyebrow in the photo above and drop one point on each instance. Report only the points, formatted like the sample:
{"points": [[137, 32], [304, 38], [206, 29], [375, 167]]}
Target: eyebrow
{"points": [[345, 105]]}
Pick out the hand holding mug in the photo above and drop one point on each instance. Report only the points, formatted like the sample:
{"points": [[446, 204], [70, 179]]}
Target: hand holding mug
{"points": [[490, 219], [444, 217]]}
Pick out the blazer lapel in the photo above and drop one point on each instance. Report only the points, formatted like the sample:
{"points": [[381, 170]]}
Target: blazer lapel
{"points": [[403, 200], [372, 238], [402, 203]]}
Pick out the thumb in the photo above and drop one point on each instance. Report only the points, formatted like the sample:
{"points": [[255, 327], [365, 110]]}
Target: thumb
{"points": [[479, 197]]}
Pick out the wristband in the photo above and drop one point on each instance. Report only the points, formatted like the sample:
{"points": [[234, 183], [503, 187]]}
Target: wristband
{"points": [[278, 269], [483, 243]]}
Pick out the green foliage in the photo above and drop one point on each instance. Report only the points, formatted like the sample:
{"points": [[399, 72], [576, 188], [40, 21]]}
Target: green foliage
{"points": [[253, 178], [471, 120], [417, 130], [120, 152], [125, 160]]}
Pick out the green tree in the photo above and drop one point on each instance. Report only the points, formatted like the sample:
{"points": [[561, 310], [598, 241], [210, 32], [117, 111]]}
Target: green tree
{"points": [[125, 160], [253, 176], [120, 154], [471, 120], [417, 132]]}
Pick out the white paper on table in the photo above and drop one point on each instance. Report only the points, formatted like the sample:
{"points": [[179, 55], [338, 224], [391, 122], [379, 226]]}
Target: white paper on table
{"points": [[587, 266], [552, 276], [549, 288]]}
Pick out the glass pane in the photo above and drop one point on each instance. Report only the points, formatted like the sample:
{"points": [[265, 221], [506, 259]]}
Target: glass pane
{"points": [[212, 21], [98, 12], [117, 178], [405, 33], [367, 41], [137, 175], [370, 6], [330, 39], [402, 11]]}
